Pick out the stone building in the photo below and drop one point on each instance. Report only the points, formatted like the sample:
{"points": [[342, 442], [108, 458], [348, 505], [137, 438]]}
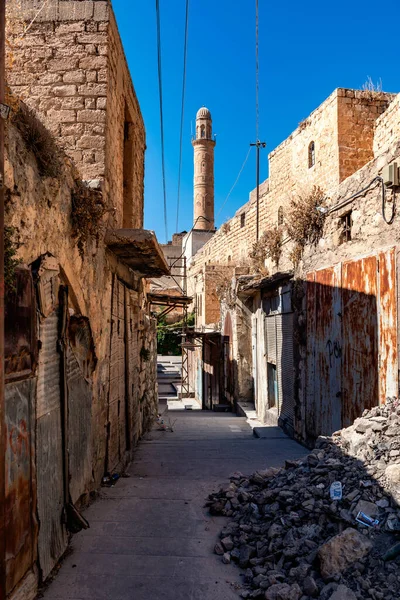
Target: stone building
{"points": [[312, 337], [80, 336]]}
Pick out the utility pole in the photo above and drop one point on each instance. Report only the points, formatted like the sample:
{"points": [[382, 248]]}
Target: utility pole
{"points": [[258, 145], [3, 116]]}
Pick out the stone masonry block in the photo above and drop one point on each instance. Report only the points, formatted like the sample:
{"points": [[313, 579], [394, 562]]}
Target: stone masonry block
{"points": [[91, 141], [74, 77], [30, 9], [91, 76], [64, 90], [90, 103], [93, 62], [62, 64], [74, 27], [91, 116], [49, 78], [91, 38], [93, 89], [61, 116], [101, 11], [75, 11], [101, 103]]}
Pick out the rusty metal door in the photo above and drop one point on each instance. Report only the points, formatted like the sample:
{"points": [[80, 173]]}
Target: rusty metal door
{"points": [[81, 362], [116, 444], [20, 396], [388, 384], [324, 351], [360, 337], [351, 341], [52, 541]]}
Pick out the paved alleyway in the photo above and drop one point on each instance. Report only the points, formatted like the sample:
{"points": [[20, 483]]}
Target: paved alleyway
{"points": [[149, 536]]}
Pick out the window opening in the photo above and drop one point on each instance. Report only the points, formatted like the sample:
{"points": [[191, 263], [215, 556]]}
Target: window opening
{"points": [[203, 131], [242, 219], [311, 155], [346, 223], [280, 215]]}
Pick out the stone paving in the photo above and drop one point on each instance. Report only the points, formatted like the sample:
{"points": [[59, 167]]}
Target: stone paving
{"points": [[149, 536]]}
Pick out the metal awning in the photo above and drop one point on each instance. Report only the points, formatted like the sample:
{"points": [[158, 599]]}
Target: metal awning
{"points": [[248, 287], [139, 250]]}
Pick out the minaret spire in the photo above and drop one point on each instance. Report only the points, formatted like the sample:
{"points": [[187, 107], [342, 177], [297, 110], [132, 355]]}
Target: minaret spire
{"points": [[203, 145]]}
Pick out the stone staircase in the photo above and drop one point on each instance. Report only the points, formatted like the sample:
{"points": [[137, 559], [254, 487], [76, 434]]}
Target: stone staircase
{"points": [[169, 379]]}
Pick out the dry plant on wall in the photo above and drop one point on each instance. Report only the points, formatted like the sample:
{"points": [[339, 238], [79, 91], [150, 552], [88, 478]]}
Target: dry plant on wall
{"points": [[87, 211], [38, 140], [268, 246], [224, 289], [304, 223]]}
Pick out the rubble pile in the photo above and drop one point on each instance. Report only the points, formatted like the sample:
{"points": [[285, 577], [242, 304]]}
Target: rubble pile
{"points": [[322, 527]]}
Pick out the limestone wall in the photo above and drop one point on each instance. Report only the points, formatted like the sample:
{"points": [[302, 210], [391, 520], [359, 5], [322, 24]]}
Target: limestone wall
{"points": [[70, 67], [387, 130]]}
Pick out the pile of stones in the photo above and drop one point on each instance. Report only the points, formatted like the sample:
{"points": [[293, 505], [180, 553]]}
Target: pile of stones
{"points": [[294, 542]]}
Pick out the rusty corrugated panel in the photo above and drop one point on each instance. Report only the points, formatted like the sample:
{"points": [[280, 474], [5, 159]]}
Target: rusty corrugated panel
{"points": [[328, 350], [310, 423], [116, 439], [81, 343], [20, 507], [388, 363], [284, 330], [52, 540], [360, 338], [20, 349], [79, 427]]}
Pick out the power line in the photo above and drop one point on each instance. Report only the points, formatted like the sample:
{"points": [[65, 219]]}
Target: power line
{"points": [[257, 73], [161, 115], [182, 111], [234, 185]]}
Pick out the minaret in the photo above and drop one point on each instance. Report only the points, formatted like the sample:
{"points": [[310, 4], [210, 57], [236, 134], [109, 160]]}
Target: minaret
{"points": [[203, 145]]}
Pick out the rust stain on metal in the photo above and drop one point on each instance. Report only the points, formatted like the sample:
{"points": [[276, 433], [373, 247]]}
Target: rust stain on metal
{"points": [[20, 496], [20, 328], [388, 370], [360, 328]]}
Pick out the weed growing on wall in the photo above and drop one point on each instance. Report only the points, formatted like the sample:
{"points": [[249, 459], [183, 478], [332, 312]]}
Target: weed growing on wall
{"points": [[38, 140], [87, 211], [268, 246], [304, 223], [224, 289]]}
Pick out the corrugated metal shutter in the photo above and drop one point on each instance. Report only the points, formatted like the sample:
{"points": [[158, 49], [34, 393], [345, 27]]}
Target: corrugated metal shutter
{"points": [[284, 326], [79, 427], [52, 540], [117, 425], [270, 331]]}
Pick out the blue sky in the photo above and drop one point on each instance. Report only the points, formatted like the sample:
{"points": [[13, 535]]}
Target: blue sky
{"points": [[307, 49]]}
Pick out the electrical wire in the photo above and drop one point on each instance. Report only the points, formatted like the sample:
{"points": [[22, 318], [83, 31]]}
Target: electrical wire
{"points": [[362, 191], [257, 74], [161, 115], [234, 185], [182, 111]]}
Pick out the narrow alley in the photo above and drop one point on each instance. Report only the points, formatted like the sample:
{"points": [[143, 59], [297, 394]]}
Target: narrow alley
{"points": [[150, 535]]}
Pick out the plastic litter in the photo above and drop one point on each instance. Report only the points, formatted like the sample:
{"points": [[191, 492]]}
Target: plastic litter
{"points": [[336, 490], [366, 520]]}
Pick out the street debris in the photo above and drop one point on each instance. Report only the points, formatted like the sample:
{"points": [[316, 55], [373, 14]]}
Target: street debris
{"points": [[326, 526], [109, 480]]}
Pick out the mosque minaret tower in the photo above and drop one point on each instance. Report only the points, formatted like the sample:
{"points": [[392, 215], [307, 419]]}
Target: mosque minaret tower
{"points": [[203, 184]]}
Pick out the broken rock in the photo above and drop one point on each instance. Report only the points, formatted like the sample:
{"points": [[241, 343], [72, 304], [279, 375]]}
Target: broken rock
{"points": [[341, 551], [283, 591], [343, 593]]}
